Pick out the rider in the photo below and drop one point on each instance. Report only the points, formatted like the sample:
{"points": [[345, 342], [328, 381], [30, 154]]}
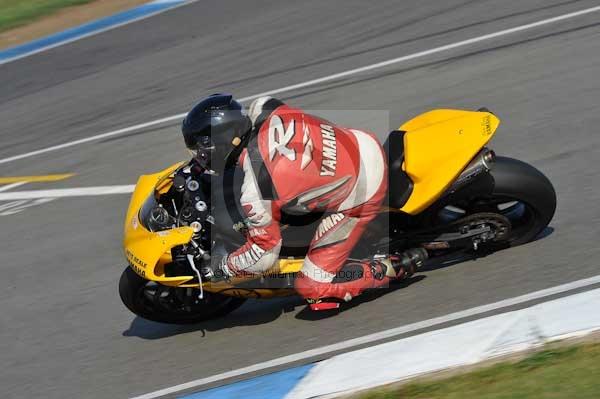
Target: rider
{"points": [[298, 163]]}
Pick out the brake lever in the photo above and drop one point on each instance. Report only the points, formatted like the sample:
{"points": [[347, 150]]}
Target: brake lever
{"points": [[190, 259]]}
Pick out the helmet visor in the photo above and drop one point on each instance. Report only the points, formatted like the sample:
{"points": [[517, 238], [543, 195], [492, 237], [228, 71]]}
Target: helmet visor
{"points": [[207, 154]]}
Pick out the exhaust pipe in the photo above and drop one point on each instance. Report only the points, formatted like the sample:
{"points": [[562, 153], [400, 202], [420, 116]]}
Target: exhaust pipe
{"points": [[481, 163]]}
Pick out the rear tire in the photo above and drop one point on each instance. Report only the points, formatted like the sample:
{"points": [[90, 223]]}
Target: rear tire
{"points": [[519, 193], [517, 180], [172, 305]]}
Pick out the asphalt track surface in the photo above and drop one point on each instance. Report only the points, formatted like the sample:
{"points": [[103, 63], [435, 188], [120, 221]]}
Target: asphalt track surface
{"points": [[63, 330]]}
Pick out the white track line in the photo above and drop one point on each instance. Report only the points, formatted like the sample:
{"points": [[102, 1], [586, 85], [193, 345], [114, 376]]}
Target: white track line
{"points": [[324, 79], [12, 185], [367, 339], [67, 192]]}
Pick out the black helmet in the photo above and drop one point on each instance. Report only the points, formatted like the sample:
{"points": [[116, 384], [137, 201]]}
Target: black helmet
{"points": [[214, 128]]}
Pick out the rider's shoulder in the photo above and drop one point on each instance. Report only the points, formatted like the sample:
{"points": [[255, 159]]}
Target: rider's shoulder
{"points": [[262, 107]]}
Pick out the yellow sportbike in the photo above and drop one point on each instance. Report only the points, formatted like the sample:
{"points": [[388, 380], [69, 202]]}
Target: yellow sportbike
{"points": [[448, 194]]}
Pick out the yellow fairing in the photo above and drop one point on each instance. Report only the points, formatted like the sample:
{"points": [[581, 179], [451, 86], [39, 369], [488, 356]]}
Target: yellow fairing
{"points": [[437, 147], [148, 252]]}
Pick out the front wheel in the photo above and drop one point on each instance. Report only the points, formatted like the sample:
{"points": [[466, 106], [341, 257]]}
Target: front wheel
{"points": [[521, 194], [156, 302]]}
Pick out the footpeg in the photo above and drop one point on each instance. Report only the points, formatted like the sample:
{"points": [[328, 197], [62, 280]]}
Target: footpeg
{"points": [[409, 261]]}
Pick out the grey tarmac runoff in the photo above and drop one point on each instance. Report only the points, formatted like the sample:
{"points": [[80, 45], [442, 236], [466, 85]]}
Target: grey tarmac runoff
{"points": [[63, 330]]}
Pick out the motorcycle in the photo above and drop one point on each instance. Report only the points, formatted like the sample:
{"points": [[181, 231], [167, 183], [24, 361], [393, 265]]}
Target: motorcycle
{"points": [[448, 194]]}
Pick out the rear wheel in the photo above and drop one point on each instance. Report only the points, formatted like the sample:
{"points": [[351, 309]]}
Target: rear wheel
{"points": [[156, 302], [521, 194]]}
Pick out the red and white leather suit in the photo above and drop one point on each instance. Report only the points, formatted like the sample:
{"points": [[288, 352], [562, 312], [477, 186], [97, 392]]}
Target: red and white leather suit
{"points": [[312, 165]]}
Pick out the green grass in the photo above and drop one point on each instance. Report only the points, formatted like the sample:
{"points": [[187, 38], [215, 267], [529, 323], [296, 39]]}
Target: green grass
{"points": [[14, 13], [565, 372]]}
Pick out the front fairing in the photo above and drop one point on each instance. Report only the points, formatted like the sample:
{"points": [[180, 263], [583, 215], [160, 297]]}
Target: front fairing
{"points": [[148, 252]]}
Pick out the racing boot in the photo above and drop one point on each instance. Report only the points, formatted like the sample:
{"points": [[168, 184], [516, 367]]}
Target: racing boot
{"points": [[384, 269], [322, 304]]}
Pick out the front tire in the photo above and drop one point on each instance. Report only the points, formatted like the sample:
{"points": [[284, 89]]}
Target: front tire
{"points": [[172, 305]]}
